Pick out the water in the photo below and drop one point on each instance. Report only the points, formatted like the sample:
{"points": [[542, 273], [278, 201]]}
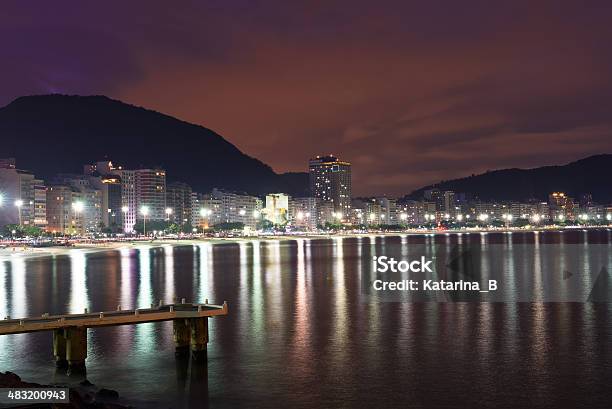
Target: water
{"points": [[300, 333]]}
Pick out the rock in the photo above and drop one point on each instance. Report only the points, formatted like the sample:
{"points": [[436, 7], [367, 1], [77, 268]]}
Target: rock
{"points": [[107, 394], [86, 383]]}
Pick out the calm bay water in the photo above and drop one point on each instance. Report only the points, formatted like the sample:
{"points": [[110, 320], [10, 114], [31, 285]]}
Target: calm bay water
{"points": [[300, 333]]}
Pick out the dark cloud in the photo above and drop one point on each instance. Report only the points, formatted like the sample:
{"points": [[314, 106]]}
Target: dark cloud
{"points": [[410, 92]]}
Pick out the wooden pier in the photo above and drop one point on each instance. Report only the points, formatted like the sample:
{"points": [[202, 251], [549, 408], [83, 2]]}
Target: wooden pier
{"points": [[190, 323]]}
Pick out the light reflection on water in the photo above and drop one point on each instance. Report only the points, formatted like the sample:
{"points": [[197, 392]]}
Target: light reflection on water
{"points": [[299, 333]]}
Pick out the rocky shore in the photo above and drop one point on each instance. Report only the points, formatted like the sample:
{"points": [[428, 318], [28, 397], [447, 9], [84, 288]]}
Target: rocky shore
{"points": [[84, 396]]}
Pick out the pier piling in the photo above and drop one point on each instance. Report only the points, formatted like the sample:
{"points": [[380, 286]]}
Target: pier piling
{"points": [[182, 336], [199, 337]]}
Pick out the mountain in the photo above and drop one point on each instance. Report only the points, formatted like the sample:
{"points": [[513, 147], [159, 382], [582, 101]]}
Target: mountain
{"points": [[589, 175], [51, 134]]}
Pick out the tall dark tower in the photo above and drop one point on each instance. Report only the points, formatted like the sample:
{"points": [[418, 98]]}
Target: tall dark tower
{"points": [[330, 180]]}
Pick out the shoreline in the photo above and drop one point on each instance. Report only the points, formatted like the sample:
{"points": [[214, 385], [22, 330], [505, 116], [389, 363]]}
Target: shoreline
{"points": [[32, 252]]}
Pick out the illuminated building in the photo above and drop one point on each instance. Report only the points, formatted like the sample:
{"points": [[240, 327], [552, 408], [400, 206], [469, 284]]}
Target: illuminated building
{"points": [[206, 210], [62, 215], [112, 207], [90, 217], [277, 208], [561, 206], [150, 186], [330, 180], [238, 208], [178, 199], [139, 187], [303, 212], [326, 213], [21, 187]]}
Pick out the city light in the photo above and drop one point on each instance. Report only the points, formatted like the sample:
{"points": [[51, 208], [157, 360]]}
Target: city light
{"points": [[125, 209], [78, 206], [300, 215], [168, 211], [242, 212], [145, 212], [256, 214], [609, 216], [403, 216], [18, 202], [1, 199], [372, 216], [483, 217], [459, 217]]}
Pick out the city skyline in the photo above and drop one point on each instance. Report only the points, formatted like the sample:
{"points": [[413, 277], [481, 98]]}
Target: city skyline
{"points": [[110, 199], [417, 85]]}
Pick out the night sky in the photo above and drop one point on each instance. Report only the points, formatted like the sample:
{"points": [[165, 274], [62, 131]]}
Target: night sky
{"points": [[409, 92]]}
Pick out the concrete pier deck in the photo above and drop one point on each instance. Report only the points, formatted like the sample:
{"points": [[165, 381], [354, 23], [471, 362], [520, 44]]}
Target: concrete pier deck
{"points": [[165, 312]]}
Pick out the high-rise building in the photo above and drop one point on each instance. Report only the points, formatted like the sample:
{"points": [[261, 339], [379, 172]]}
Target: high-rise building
{"points": [[20, 197], [562, 207], [40, 203], [206, 210], [388, 208], [178, 200], [326, 213], [239, 208], [62, 217], [88, 208], [303, 212], [129, 209], [151, 193], [140, 188], [277, 208], [330, 180], [112, 205]]}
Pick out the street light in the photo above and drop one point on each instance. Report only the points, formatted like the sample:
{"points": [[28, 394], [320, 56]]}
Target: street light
{"points": [[1, 199], [144, 210], [78, 208], [168, 213], [18, 204]]}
